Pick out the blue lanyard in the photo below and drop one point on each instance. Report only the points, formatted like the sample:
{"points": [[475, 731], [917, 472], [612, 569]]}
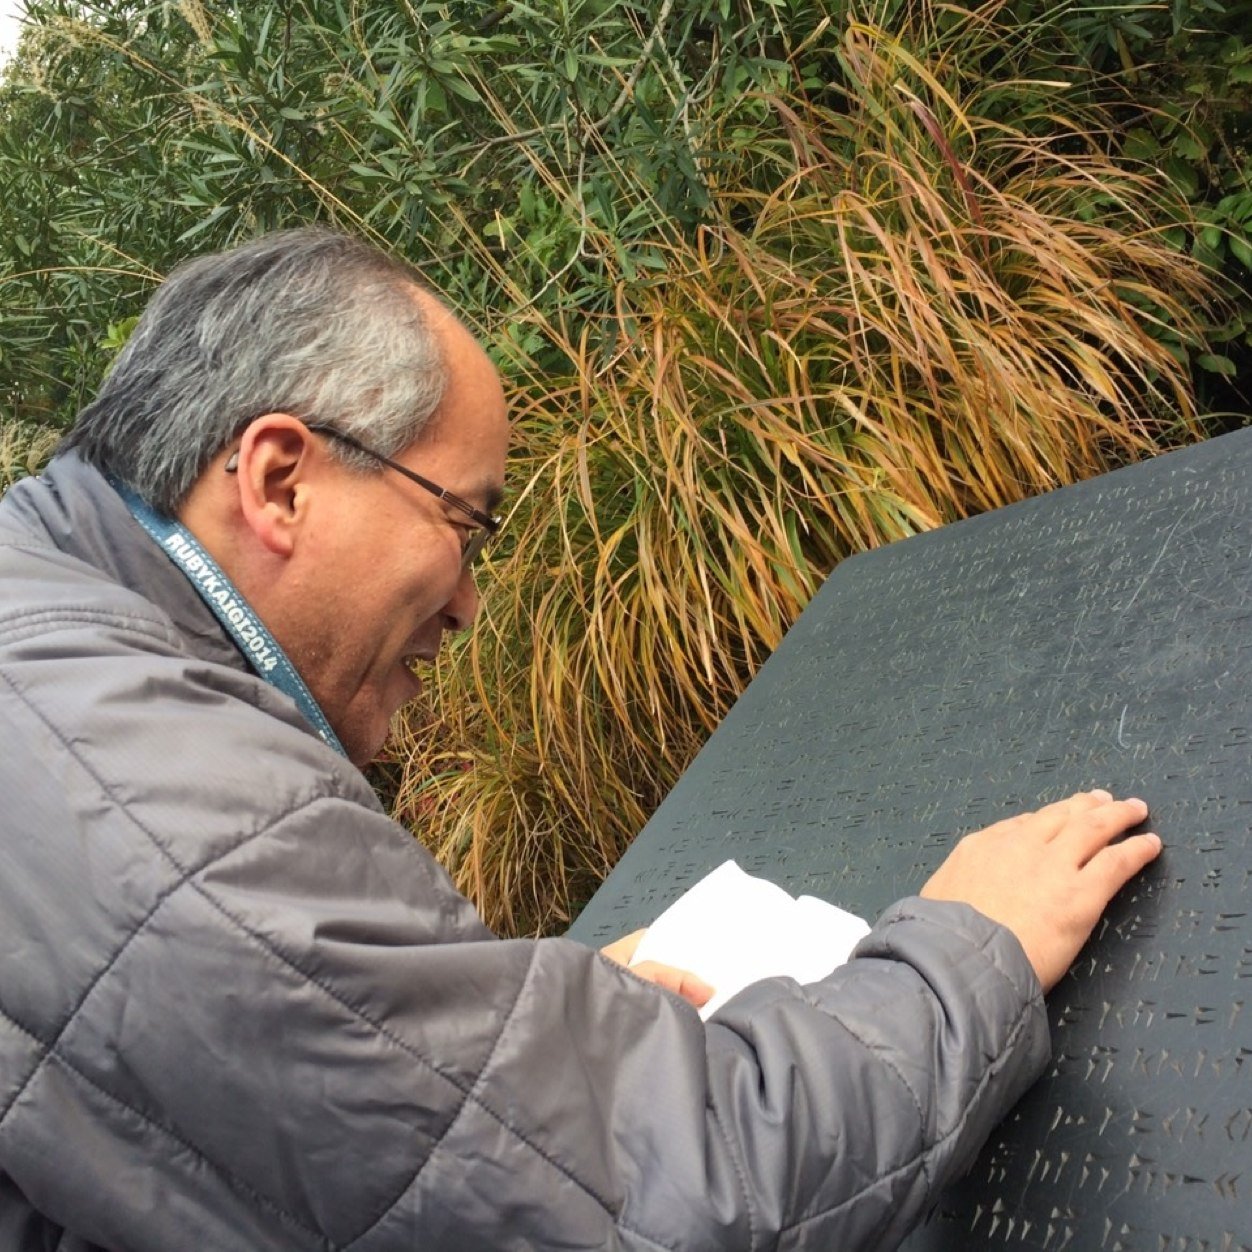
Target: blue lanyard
{"points": [[258, 646]]}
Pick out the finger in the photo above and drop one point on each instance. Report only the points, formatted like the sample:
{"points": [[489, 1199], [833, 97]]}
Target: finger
{"points": [[621, 950], [1097, 828], [1050, 820], [1114, 866], [683, 982], [1080, 802]]}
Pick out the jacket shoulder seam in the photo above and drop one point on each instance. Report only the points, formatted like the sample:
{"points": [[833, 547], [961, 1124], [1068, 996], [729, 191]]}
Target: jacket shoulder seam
{"points": [[17, 625]]}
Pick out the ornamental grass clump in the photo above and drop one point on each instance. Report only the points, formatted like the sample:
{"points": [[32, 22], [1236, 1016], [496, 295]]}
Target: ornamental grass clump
{"points": [[770, 284], [25, 449], [908, 309]]}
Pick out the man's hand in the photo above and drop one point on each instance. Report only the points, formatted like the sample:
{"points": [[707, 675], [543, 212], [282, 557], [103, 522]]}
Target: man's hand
{"points": [[1048, 875], [695, 990]]}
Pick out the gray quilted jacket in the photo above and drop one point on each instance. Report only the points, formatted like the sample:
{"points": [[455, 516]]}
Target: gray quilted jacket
{"points": [[241, 1009]]}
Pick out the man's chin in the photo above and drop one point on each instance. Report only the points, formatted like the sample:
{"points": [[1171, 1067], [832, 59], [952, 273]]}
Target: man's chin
{"points": [[363, 738], [365, 727]]}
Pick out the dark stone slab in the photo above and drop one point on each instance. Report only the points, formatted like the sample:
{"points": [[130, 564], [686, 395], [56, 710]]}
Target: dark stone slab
{"points": [[1097, 636]]}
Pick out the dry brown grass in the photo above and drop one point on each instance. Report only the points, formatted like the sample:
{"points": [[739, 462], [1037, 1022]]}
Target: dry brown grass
{"points": [[24, 449], [925, 314]]}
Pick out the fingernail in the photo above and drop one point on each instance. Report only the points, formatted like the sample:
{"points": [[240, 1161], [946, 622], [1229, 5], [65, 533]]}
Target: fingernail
{"points": [[1101, 794]]}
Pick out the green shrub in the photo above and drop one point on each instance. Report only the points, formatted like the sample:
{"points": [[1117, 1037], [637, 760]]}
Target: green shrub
{"points": [[769, 282], [906, 312]]}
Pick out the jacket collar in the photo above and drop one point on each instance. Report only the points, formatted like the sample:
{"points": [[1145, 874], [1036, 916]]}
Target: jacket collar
{"points": [[73, 509]]}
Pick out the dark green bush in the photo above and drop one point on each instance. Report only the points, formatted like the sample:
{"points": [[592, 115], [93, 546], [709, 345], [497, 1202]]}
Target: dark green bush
{"points": [[770, 281]]}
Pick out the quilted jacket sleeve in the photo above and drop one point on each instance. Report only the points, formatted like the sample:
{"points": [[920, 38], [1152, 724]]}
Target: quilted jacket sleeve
{"points": [[240, 1009]]}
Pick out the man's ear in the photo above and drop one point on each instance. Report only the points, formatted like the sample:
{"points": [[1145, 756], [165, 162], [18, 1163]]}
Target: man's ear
{"points": [[272, 469]]}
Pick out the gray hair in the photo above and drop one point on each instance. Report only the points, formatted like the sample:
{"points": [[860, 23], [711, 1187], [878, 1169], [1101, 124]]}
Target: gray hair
{"points": [[308, 322]]}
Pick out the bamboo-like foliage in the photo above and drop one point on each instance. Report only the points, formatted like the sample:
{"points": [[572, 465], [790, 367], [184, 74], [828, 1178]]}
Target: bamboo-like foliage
{"points": [[921, 313], [771, 284]]}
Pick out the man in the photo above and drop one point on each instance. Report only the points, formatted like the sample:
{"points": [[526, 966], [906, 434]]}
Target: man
{"points": [[240, 1009]]}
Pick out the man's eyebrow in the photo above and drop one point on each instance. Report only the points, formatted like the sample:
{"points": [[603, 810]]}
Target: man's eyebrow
{"points": [[492, 498], [488, 497]]}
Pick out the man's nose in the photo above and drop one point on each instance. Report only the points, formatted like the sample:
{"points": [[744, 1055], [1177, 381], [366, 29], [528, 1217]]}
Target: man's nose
{"points": [[462, 608]]}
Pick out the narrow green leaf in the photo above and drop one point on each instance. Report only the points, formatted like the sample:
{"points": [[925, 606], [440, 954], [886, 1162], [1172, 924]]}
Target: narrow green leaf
{"points": [[1214, 364]]}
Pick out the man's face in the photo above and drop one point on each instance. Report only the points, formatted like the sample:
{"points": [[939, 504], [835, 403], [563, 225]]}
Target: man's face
{"points": [[384, 571]]}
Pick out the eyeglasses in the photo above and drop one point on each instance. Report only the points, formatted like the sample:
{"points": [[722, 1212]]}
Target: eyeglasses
{"points": [[487, 524]]}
